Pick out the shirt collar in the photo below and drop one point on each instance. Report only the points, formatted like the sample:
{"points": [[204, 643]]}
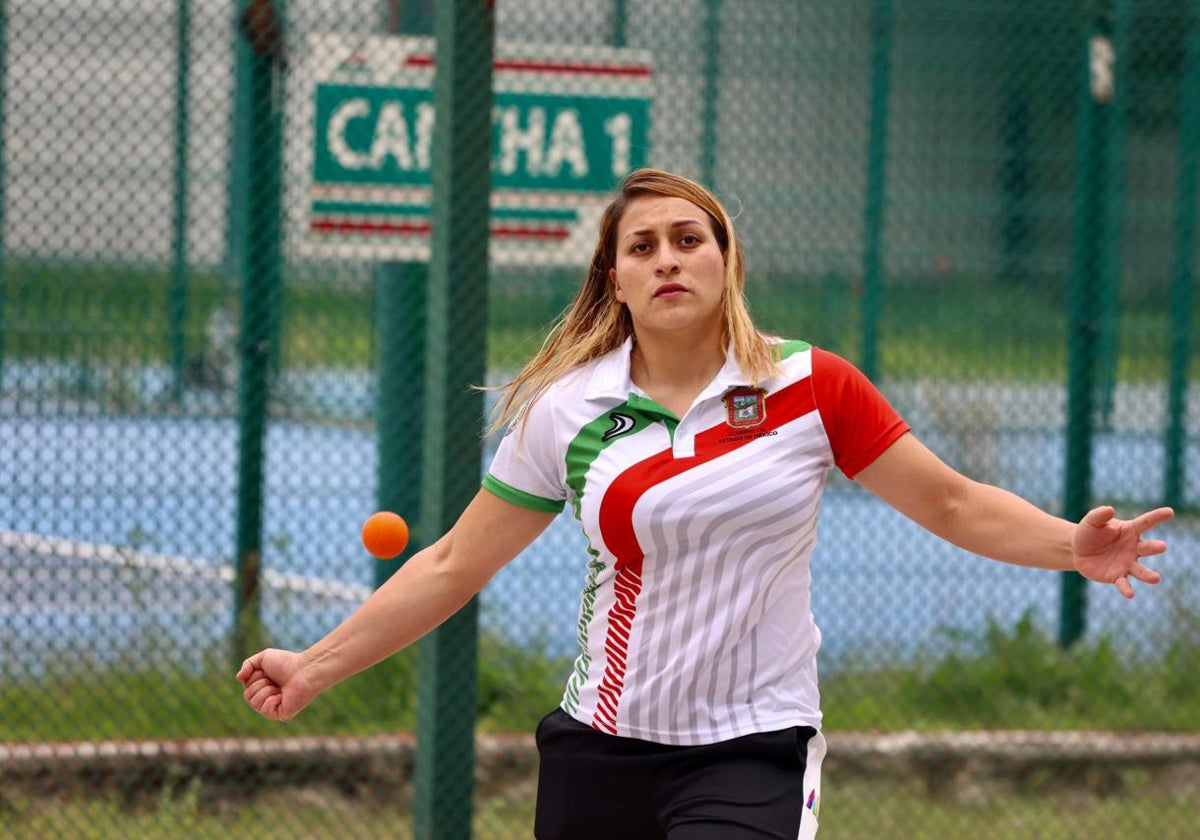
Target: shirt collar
{"points": [[610, 377]]}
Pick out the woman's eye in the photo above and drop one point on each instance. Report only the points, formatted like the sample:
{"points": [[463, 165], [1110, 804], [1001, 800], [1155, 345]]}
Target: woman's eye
{"points": [[689, 239]]}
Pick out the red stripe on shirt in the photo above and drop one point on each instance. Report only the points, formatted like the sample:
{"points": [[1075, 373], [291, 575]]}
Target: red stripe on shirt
{"points": [[616, 526]]}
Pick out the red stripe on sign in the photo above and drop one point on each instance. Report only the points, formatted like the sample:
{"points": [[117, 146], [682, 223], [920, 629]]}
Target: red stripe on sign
{"points": [[518, 232], [358, 226], [520, 65], [424, 229]]}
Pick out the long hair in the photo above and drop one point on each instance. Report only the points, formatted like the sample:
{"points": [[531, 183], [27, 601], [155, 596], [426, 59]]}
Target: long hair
{"points": [[595, 322]]}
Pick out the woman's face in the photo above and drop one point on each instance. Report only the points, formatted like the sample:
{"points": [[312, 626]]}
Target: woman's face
{"points": [[669, 270]]}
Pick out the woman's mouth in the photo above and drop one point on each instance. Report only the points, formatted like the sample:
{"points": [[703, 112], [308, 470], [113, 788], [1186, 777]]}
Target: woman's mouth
{"points": [[669, 290]]}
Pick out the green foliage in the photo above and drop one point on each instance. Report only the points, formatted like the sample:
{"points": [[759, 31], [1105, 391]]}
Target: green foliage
{"points": [[1022, 674], [516, 686], [1015, 678], [854, 809], [1021, 678]]}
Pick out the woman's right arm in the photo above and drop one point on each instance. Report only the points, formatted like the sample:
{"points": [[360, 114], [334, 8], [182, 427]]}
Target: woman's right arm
{"points": [[429, 588]]}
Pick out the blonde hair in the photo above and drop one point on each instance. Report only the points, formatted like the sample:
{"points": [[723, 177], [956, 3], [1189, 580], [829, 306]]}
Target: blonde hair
{"points": [[595, 322]]}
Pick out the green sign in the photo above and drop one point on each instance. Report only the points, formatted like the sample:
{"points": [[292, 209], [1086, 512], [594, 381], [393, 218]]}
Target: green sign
{"points": [[566, 127]]}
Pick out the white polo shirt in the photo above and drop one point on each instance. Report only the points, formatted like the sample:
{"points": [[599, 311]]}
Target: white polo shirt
{"points": [[695, 621]]}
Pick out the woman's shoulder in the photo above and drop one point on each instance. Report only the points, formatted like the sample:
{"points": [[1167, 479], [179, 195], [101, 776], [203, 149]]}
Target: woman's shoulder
{"points": [[812, 355]]}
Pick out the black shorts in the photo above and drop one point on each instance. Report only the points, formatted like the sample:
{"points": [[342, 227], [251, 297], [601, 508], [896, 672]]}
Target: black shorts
{"points": [[595, 785]]}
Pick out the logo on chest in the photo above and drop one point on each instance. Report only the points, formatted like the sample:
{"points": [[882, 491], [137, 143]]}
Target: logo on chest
{"points": [[745, 407], [621, 423]]}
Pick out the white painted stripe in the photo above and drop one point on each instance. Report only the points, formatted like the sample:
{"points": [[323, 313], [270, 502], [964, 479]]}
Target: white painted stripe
{"points": [[46, 547]]}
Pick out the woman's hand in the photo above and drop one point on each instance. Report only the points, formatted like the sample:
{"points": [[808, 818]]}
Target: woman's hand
{"points": [[1110, 550], [274, 684]]}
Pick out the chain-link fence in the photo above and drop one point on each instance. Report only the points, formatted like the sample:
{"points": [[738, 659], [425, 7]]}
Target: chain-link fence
{"points": [[231, 330]]}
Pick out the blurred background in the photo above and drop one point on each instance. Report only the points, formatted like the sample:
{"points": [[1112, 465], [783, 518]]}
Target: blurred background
{"points": [[229, 331]]}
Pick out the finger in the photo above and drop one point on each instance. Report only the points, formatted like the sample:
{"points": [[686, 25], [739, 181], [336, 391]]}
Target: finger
{"points": [[1098, 517], [1144, 573], [259, 687], [264, 698], [1148, 548], [1122, 584], [250, 679], [268, 706], [251, 664], [1151, 518]]}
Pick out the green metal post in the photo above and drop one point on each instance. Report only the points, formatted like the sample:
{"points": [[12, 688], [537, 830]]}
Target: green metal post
{"points": [[3, 252], [832, 321], [1085, 293], [619, 18], [400, 301], [457, 328], [712, 87], [881, 80], [1110, 152], [1182, 283], [1016, 180], [179, 284], [254, 241]]}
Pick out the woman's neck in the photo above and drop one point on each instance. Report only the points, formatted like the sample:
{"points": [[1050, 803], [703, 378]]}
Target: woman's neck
{"points": [[674, 372]]}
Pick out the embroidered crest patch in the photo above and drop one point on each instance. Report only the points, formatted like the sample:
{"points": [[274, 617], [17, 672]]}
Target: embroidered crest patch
{"points": [[745, 407]]}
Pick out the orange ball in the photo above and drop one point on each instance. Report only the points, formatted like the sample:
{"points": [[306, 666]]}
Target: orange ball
{"points": [[385, 534]]}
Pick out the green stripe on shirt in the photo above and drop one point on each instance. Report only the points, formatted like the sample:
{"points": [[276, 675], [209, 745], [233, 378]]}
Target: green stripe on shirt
{"points": [[520, 498]]}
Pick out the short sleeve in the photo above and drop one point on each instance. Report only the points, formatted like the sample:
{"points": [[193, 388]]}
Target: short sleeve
{"points": [[859, 421], [528, 470]]}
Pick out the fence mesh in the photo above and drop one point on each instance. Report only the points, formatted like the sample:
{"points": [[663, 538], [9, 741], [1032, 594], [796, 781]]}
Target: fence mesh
{"points": [[227, 327]]}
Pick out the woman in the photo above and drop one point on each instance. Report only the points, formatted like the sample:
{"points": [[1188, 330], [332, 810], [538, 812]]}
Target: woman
{"points": [[694, 451]]}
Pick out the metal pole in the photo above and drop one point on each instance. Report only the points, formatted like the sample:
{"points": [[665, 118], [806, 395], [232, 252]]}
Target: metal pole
{"points": [[1182, 282], [1110, 144], [712, 79], [872, 298], [179, 285], [457, 328], [1085, 293], [254, 240], [619, 18], [3, 120], [400, 300]]}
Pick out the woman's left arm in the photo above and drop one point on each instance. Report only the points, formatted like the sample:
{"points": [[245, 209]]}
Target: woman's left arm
{"points": [[995, 523]]}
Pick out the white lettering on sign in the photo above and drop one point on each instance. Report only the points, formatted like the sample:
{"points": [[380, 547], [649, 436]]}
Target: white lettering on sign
{"points": [[530, 140], [619, 127], [566, 145], [391, 137], [541, 157], [516, 139], [335, 134]]}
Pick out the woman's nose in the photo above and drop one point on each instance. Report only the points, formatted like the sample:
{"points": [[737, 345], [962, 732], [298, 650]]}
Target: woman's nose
{"points": [[668, 261]]}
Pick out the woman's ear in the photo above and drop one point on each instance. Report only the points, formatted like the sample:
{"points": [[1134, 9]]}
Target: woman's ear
{"points": [[617, 293]]}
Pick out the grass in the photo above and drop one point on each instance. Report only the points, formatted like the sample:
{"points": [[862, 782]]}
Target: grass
{"points": [[515, 688], [851, 811], [1020, 678], [1001, 678]]}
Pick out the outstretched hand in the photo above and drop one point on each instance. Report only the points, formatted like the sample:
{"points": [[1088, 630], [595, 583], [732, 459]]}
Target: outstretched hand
{"points": [[1110, 550], [274, 685]]}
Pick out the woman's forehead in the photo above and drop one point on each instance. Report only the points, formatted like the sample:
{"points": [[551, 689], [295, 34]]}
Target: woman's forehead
{"points": [[656, 211]]}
